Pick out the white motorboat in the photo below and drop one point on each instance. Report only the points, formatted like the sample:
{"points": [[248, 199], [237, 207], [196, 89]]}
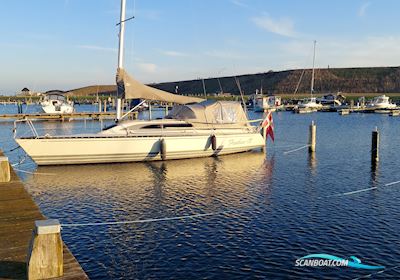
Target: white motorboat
{"points": [[335, 100], [381, 102], [310, 103], [56, 103], [262, 103], [196, 128]]}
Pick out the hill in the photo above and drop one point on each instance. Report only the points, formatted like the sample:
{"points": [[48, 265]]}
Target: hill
{"points": [[347, 80]]}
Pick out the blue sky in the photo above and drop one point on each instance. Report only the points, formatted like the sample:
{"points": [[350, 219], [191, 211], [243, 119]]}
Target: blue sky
{"points": [[65, 44]]}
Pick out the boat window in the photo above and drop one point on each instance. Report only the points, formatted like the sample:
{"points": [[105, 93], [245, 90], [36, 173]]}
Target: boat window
{"points": [[152, 126], [168, 125], [177, 125]]}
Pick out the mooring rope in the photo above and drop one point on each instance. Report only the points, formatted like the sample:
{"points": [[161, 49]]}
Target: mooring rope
{"points": [[20, 162], [34, 173], [145, 220], [362, 190], [295, 150], [378, 272]]}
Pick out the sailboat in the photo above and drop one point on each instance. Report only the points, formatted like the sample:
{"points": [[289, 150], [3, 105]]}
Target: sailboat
{"points": [[311, 103], [194, 128]]}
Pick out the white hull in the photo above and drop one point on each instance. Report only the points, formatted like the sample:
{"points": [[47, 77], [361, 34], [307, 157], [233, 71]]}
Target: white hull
{"points": [[63, 109], [106, 149]]}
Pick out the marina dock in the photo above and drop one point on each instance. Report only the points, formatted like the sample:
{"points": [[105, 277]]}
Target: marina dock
{"points": [[18, 212], [62, 117]]}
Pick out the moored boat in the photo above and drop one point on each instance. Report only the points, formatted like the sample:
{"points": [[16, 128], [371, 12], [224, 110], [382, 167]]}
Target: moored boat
{"points": [[56, 103], [194, 128]]}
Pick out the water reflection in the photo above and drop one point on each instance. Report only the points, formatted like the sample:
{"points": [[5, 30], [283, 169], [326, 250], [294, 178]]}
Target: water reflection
{"points": [[312, 162], [152, 188]]}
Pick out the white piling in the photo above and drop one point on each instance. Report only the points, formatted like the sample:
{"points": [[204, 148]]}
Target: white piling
{"points": [[312, 137]]}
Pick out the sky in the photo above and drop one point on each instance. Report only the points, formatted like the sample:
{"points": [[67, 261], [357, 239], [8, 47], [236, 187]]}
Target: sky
{"points": [[67, 44]]}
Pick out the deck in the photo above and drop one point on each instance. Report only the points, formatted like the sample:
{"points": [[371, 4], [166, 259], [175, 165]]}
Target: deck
{"points": [[18, 212], [62, 117]]}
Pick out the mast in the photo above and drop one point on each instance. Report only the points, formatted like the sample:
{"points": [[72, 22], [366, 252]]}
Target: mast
{"points": [[313, 66], [121, 34], [121, 52], [204, 88]]}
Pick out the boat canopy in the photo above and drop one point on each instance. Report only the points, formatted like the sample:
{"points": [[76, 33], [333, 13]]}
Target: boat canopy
{"points": [[133, 89], [211, 112]]}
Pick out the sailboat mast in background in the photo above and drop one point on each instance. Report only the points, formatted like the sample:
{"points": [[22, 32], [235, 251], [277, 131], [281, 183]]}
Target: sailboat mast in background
{"points": [[313, 70]]}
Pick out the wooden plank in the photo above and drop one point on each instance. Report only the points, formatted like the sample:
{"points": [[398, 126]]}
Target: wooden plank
{"points": [[17, 215]]}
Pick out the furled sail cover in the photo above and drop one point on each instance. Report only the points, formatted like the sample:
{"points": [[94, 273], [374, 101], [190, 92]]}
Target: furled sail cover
{"points": [[135, 90], [211, 112]]}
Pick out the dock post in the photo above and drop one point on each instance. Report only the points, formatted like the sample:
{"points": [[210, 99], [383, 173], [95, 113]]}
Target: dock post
{"points": [[99, 106], [105, 105], [149, 110], [312, 137], [4, 170], [45, 253], [375, 146], [352, 104]]}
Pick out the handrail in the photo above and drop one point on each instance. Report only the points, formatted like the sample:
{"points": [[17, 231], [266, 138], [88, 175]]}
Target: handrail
{"points": [[30, 124], [131, 110]]}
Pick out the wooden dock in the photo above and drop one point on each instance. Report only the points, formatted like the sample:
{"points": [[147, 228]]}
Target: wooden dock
{"points": [[18, 212], [62, 117]]}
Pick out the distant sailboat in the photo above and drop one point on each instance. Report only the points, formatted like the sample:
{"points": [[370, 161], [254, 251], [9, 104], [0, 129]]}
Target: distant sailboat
{"points": [[311, 103]]}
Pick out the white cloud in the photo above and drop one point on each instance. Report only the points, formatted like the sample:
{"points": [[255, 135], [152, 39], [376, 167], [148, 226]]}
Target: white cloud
{"points": [[96, 48], [173, 53], [363, 9], [147, 67], [341, 52], [283, 26]]}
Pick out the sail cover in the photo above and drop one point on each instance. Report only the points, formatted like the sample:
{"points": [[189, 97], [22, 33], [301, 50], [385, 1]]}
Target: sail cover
{"points": [[133, 89], [211, 112]]}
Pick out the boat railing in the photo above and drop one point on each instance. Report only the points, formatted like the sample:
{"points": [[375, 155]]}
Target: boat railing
{"points": [[133, 109], [30, 124]]}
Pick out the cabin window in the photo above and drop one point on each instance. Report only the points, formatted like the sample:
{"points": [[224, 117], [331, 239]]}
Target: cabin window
{"points": [[167, 125], [151, 126], [177, 125]]}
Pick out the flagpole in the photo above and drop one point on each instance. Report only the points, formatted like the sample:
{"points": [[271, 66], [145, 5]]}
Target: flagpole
{"points": [[264, 133]]}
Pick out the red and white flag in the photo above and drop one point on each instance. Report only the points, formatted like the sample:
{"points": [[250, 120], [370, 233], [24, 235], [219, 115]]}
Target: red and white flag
{"points": [[268, 125]]}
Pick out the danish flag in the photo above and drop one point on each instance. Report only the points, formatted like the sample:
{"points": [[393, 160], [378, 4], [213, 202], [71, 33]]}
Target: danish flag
{"points": [[268, 124]]}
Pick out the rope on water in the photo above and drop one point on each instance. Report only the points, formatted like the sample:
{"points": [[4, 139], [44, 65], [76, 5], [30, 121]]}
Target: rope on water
{"points": [[363, 190], [295, 150], [378, 272], [34, 173], [20, 162], [146, 220], [12, 150]]}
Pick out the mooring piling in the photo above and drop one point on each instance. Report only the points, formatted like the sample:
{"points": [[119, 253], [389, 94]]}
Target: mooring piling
{"points": [[375, 146], [45, 253], [4, 170], [18, 213], [312, 137]]}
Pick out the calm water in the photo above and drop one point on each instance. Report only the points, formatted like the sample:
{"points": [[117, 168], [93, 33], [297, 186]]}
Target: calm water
{"points": [[278, 207]]}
